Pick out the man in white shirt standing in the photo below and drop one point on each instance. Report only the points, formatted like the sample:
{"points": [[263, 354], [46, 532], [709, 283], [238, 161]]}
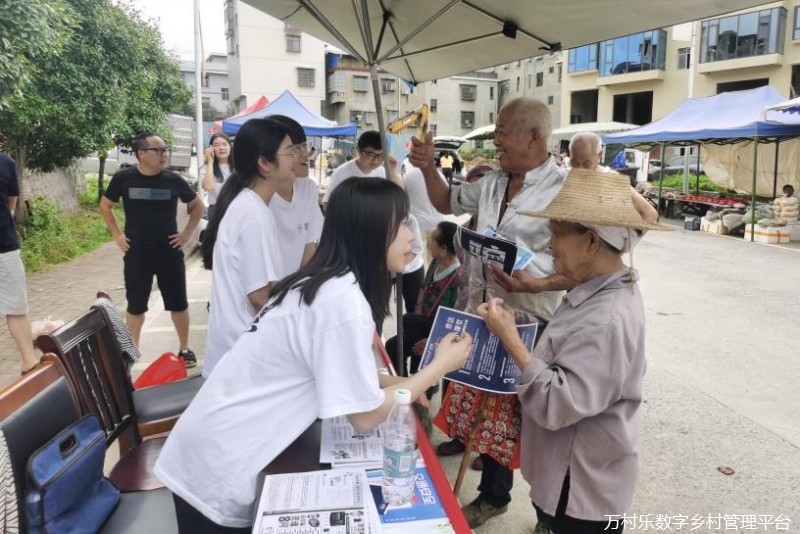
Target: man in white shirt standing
{"points": [[421, 206]]}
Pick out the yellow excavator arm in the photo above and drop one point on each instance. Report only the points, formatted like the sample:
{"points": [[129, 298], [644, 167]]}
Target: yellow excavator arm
{"points": [[419, 117]]}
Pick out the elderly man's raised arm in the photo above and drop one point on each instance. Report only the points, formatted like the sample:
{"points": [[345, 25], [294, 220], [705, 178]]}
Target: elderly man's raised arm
{"points": [[421, 156]]}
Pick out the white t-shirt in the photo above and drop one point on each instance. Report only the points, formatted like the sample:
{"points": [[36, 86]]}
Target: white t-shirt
{"points": [[348, 170], [416, 247], [212, 195], [246, 258], [421, 206], [296, 363], [299, 222]]}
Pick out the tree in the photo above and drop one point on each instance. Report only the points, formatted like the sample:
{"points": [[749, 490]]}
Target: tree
{"points": [[108, 81], [29, 31]]}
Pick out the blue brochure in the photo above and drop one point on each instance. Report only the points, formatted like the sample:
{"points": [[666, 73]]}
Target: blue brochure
{"points": [[490, 367]]}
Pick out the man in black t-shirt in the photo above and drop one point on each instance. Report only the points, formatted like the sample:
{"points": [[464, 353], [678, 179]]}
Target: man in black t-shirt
{"points": [[151, 242], [13, 292]]}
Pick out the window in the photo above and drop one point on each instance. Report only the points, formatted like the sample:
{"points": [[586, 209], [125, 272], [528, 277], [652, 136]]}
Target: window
{"points": [[305, 77], [293, 43], [391, 116], [747, 35], [559, 73], [550, 100], [505, 87], [205, 82], [539, 79], [467, 119], [491, 93], [387, 85], [433, 128], [583, 58], [491, 117], [356, 116], [796, 35], [468, 92], [684, 59], [371, 117], [434, 104], [529, 81], [225, 93], [360, 84], [633, 53], [518, 84], [552, 70]]}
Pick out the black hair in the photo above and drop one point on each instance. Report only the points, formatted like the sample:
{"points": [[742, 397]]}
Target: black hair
{"points": [[256, 139], [370, 139], [362, 220], [140, 142], [296, 132], [446, 236], [217, 171]]}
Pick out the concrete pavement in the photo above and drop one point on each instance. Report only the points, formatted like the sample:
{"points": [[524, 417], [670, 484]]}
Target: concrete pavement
{"points": [[720, 390]]}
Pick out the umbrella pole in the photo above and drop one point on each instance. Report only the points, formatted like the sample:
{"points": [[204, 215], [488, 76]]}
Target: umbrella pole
{"points": [[775, 178], [753, 193], [697, 177], [661, 179], [398, 280]]}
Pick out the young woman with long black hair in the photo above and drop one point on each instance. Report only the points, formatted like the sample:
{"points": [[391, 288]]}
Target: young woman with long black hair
{"points": [[307, 355], [217, 168], [242, 241]]}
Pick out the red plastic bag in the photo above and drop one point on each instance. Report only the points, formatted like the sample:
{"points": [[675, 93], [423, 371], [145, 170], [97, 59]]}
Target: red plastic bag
{"points": [[167, 368]]}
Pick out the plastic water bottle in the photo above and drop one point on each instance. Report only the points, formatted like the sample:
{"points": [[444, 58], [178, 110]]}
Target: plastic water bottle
{"points": [[399, 451]]}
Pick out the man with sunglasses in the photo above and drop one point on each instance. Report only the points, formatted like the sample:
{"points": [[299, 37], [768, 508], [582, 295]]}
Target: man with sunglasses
{"points": [[151, 241]]}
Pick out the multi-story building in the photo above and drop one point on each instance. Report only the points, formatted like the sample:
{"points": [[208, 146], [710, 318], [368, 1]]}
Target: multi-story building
{"points": [[642, 77], [267, 57], [215, 88], [538, 77], [459, 104], [350, 97]]}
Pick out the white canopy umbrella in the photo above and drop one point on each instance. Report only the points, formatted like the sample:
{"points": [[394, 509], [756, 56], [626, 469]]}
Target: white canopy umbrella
{"points": [[481, 134], [785, 113], [422, 40]]}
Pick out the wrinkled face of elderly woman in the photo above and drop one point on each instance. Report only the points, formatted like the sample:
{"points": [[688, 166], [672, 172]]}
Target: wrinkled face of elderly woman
{"points": [[571, 250]]}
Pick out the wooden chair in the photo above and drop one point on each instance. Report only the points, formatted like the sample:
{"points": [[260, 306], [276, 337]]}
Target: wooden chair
{"points": [[88, 350], [33, 410]]}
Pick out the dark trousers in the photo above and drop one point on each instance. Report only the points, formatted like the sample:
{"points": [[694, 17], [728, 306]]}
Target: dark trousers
{"points": [[412, 283], [563, 524], [415, 327], [190, 521], [496, 482]]}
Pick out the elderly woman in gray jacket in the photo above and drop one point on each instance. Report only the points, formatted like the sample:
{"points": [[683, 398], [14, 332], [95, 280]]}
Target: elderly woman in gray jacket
{"points": [[582, 385]]}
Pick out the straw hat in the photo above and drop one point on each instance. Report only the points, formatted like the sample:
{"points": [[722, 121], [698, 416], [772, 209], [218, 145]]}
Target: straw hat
{"points": [[597, 199]]}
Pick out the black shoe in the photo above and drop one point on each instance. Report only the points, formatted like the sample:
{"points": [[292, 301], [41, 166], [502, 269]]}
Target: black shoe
{"points": [[188, 358]]}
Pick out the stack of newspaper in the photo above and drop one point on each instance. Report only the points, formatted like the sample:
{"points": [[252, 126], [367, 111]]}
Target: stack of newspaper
{"points": [[343, 447]]}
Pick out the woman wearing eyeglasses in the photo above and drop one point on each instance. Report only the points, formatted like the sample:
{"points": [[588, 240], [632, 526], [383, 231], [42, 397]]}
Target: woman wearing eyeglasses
{"points": [[242, 241], [217, 168], [296, 207]]}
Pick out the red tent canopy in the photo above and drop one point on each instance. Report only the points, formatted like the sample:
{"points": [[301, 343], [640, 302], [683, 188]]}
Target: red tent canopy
{"points": [[260, 103]]}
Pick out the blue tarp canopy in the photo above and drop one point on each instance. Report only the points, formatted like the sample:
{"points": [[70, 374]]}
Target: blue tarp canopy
{"points": [[720, 119], [288, 105]]}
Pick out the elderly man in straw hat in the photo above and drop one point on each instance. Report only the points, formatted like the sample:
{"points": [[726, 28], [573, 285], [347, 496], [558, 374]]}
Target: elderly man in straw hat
{"points": [[582, 386], [528, 180]]}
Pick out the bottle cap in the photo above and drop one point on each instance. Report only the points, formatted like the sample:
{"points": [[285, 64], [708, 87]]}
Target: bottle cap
{"points": [[402, 396]]}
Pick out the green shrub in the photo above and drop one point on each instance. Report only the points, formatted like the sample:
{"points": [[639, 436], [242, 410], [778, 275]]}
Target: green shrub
{"points": [[49, 237]]}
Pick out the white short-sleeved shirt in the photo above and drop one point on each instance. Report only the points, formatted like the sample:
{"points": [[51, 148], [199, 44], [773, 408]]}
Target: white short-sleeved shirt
{"points": [[299, 222], [296, 363], [245, 259], [421, 206], [348, 170], [212, 195]]}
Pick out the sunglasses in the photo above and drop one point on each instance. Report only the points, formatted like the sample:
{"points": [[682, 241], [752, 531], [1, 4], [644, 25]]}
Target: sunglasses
{"points": [[158, 150]]}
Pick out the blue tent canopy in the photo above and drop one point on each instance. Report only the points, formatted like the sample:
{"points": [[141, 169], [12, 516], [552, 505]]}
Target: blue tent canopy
{"points": [[723, 118], [286, 104]]}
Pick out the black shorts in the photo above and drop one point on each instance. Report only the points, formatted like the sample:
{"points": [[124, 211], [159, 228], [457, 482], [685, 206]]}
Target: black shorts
{"points": [[163, 262]]}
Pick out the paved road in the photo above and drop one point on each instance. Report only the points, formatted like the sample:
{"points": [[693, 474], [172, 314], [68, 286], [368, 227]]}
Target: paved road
{"points": [[721, 386]]}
